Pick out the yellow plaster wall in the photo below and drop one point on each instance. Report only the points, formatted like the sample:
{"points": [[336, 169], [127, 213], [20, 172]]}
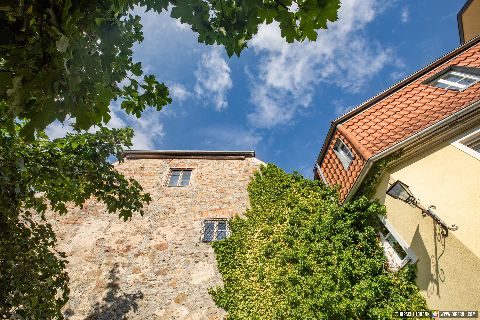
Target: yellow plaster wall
{"points": [[448, 268], [471, 20]]}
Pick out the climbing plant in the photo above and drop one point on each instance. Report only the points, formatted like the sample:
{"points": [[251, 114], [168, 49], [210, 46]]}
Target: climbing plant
{"points": [[370, 182], [300, 254]]}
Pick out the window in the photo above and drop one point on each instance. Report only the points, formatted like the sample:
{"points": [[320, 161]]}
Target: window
{"points": [[179, 177], [455, 80], [343, 153], [470, 144], [396, 250], [215, 229]]}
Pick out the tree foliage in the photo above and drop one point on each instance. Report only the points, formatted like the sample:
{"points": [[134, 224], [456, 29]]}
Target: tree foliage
{"points": [[64, 58], [41, 174], [300, 254]]}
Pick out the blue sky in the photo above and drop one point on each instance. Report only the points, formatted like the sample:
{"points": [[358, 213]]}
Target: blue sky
{"points": [[277, 98]]}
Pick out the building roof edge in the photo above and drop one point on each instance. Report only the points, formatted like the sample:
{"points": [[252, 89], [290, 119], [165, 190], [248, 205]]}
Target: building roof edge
{"points": [[384, 94], [174, 153]]}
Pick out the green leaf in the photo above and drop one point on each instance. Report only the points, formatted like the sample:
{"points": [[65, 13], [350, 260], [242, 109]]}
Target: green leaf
{"points": [[299, 254], [137, 69]]}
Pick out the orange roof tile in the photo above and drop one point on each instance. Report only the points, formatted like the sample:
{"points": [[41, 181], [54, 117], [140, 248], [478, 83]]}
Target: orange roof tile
{"points": [[406, 109]]}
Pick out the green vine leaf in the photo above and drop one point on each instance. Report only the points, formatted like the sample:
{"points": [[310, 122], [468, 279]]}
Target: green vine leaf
{"points": [[300, 254]]}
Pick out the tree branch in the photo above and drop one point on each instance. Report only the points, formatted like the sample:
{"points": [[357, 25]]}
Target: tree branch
{"points": [[280, 3]]}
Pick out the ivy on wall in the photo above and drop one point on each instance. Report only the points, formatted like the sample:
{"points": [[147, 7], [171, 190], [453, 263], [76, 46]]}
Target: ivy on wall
{"points": [[300, 254], [367, 188]]}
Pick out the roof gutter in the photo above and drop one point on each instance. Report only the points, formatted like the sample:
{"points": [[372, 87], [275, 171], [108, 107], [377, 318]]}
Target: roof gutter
{"points": [[407, 141], [320, 173], [391, 91]]}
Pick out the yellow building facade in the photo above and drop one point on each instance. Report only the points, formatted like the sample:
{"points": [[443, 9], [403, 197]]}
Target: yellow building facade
{"points": [[446, 176], [469, 21]]}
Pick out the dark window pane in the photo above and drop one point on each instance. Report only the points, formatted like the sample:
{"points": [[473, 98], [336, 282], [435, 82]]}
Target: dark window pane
{"points": [[381, 227], [441, 85], [222, 225], [208, 229], [185, 178], [343, 153], [466, 81], [397, 247], [174, 177], [452, 78], [344, 149], [221, 234]]}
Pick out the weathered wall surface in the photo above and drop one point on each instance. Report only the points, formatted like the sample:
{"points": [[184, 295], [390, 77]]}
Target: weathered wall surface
{"points": [[448, 267], [155, 266]]}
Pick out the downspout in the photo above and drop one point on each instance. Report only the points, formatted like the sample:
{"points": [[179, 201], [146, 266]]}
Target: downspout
{"points": [[320, 173]]}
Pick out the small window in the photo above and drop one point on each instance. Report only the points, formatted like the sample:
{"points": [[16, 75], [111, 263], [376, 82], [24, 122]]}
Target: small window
{"points": [[395, 249], [343, 153], [215, 229], [179, 178], [470, 144], [455, 80]]}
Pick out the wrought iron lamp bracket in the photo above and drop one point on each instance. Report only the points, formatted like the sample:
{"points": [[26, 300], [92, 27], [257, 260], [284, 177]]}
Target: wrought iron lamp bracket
{"points": [[438, 220], [411, 200], [400, 190]]}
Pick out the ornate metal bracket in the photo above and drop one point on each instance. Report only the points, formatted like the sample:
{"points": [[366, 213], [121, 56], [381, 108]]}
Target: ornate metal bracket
{"points": [[437, 219], [401, 191]]}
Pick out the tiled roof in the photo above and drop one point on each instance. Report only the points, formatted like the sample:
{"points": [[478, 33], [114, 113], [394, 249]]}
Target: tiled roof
{"points": [[334, 172], [404, 112]]}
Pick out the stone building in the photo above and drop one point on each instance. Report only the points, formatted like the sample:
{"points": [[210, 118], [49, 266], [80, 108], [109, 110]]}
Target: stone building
{"points": [[161, 265]]}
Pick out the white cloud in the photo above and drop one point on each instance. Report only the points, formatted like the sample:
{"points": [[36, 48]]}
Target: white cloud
{"points": [[289, 74], [230, 138], [59, 130], [181, 26], [179, 92], [405, 17], [213, 78], [148, 129], [341, 108]]}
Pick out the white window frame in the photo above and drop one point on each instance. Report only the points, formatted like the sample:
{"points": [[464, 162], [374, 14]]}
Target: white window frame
{"points": [[215, 222], [345, 158], [462, 143], [180, 177], [455, 85], [395, 262]]}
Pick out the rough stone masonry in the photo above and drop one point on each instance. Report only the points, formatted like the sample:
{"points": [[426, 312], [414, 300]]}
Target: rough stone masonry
{"points": [[155, 266]]}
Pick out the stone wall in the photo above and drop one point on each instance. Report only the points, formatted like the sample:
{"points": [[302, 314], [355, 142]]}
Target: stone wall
{"points": [[155, 266]]}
